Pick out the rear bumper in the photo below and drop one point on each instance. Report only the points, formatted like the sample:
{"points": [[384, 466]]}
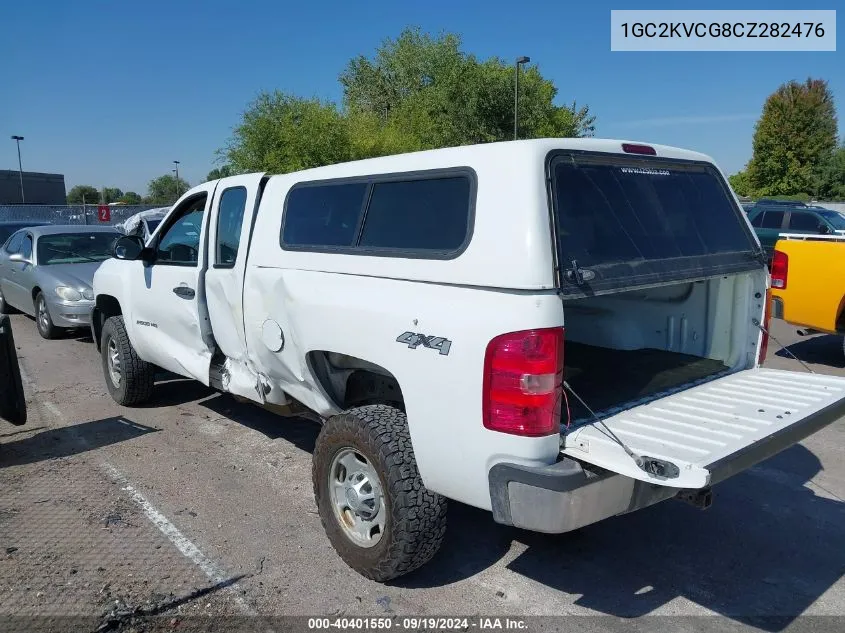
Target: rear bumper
{"points": [[564, 497]]}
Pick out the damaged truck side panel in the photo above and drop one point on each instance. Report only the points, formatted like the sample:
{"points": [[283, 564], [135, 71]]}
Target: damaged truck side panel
{"points": [[557, 331]]}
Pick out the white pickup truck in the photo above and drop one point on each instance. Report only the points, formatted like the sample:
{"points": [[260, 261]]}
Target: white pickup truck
{"points": [[557, 330]]}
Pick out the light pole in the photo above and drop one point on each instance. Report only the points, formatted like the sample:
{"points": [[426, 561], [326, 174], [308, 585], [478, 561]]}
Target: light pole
{"points": [[176, 162], [18, 140], [519, 61]]}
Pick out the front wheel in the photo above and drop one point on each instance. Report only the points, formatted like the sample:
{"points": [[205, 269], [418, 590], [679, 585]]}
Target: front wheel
{"points": [[378, 516], [129, 379], [43, 322]]}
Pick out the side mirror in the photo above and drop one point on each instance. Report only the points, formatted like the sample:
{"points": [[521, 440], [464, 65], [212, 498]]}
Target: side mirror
{"points": [[128, 247], [824, 229]]}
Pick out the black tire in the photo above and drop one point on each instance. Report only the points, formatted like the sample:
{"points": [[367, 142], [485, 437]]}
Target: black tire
{"points": [[415, 520], [43, 322], [135, 384]]}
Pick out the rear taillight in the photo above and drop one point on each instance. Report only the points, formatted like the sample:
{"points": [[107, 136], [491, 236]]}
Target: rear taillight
{"points": [[523, 377], [764, 340], [780, 270]]}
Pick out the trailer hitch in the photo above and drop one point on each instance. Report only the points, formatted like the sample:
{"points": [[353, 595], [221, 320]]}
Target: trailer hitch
{"points": [[701, 498]]}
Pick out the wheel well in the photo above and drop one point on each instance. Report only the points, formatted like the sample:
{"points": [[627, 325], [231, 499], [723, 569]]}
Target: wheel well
{"points": [[105, 307], [352, 382], [35, 292]]}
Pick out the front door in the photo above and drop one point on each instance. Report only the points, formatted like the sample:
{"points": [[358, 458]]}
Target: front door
{"points": [[169, 320]]}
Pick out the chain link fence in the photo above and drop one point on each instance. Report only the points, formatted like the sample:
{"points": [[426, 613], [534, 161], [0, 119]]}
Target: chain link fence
{"points": [[70, 214]]}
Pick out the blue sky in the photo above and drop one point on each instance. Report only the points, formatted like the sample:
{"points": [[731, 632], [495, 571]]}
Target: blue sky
{"points": [[109, 94]]}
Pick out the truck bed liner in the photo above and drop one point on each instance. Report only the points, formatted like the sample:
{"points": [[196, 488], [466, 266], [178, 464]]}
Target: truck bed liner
{"points": [[609, 378]]}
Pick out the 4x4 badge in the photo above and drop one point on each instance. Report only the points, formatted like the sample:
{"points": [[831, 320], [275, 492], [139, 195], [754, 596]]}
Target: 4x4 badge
{"points": [[413, 340]]}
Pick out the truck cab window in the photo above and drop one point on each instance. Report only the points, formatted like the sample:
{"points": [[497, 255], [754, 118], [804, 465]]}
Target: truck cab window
{"points": [[229, 221], [180, 242]]}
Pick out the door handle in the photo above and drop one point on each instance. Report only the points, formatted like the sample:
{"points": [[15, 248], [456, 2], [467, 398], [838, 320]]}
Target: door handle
{"points": [[184, 292]]}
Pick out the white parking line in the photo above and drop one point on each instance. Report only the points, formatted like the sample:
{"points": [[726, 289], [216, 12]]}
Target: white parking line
{"points": [[182, 543], [179, 540], [54, 410]]}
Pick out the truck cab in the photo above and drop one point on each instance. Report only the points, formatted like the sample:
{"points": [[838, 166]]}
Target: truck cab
{"points": [[556, 330]]}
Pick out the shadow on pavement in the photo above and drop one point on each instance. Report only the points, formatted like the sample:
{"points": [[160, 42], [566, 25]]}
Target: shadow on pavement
{"points": [[767, 547], [69, 440], [298, 431], [171, 391], [825, 349]]}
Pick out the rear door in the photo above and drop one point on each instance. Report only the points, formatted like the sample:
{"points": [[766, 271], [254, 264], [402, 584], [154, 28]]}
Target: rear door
{"points": [[705, 434], [18, 277], [230, 229]]}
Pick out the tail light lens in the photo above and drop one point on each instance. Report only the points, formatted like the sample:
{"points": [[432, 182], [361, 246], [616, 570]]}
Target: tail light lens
{"points": [[780, 270], [523, 378], [764, 341]]}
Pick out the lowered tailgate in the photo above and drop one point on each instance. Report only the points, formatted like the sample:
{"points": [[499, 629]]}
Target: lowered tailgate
{"points": [[710, 432]]}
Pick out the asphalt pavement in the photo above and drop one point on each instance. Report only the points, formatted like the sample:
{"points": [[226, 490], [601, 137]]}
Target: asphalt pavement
{"points": [[198, 508]]}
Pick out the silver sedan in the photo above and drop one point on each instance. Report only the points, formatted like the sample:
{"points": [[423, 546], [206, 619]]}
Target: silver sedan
{"points": [[48, 272]]}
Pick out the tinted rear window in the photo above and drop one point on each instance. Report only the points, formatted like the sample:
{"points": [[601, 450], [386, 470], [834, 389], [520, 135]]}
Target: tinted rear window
{"points": [[627, 211], [325, 215], [418, 215], [803, 222], [772, 220]]}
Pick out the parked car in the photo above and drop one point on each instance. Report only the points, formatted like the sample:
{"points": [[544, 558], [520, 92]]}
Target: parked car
{"points": [[143, 223], [771, 218], [48, 271], [808, 282], [556, 330], [12, 398], [7, 228]]}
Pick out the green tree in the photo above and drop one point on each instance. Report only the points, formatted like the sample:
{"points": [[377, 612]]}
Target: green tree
{"points": [[111, 194], [417, 92], [91, 195], [283, 133], [440, 96], [163, 190], [793, 140], [130, 197], [224, 171], [832, 177], [739, 183]]}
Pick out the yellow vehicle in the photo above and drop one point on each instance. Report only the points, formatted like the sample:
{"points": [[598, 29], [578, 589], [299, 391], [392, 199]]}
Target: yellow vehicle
{"points": [[808, 282]]}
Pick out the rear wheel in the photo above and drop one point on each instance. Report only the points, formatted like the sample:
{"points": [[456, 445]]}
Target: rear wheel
{"points": [[378, 516], [42, 318], [129, 378]]}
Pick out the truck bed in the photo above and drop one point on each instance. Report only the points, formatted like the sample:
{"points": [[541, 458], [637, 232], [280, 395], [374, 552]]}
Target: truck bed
{"points": [[610, 378]]}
